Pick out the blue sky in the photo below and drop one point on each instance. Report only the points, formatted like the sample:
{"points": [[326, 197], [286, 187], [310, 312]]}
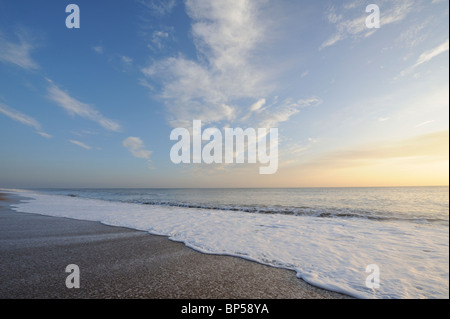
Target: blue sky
{"points": [[94, 106]]}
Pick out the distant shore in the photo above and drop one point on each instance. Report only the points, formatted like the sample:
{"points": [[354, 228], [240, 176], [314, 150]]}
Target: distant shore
{"points": [[117, 262]]}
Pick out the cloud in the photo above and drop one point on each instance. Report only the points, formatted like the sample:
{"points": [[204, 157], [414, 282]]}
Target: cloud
{"points": [[159, 38], [278, 113], [219, 86], [425, 123], [145, 83], [43, 134], [75, 107], [18, 53], [81, 144], [426, 57], [258, 105], [225, 35], [414, 35], [127, 61], [98, 49], [136, 147], [19, 117], [23, 118], [159, 7], [354, 26]]}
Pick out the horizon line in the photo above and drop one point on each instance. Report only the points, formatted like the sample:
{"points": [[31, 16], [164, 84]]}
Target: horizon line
{"points": [[287, 187]]}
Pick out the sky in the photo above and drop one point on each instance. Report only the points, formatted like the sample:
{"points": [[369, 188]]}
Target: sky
{"points": [[94, 106]]}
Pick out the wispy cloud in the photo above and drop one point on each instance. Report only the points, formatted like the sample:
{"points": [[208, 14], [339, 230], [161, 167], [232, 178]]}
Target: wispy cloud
{"points": [[75, 107], [23, 118], [425, 123], [81, 144], [258, 105], [414, 35], [19, 117], [98, 49], [190, 92], [159, 7], [127, 60], [350, 22], [281, 112], [426, 57], [159, 38], [137, 148], [43, 134], [126, 63], [19, 52]]}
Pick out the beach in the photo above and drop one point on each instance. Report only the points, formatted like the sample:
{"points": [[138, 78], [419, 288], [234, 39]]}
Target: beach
{"points": [[117, 262]]}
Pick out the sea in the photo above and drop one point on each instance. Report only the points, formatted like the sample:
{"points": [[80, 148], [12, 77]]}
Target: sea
{"points": [[372, 243]]}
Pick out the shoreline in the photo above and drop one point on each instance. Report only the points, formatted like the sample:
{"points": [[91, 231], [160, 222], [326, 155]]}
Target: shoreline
{"points": [[117, 262]]}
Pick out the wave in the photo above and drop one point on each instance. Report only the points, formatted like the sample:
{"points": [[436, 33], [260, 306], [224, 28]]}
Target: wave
{"points": [[321, 212]]}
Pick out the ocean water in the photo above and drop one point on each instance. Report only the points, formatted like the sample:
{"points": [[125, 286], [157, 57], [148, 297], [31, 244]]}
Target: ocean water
{"points": [[329, 236]]}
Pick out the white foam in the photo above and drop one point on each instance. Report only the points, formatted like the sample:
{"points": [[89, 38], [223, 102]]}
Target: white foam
{"points": [[331, 253]]}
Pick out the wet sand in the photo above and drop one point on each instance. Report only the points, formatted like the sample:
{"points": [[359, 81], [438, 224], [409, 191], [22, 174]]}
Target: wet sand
{"points": [[117, 262]]}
